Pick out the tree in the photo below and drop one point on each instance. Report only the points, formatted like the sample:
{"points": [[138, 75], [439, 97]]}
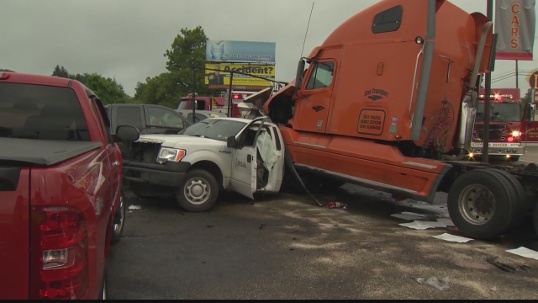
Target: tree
{"points": [[188, 51], [528, 96], [60, 71], [162, 89], [108, 90]]}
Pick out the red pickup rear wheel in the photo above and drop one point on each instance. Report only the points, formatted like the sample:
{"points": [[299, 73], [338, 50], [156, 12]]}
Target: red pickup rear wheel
{"points": [[198, 192], [119, 219]]}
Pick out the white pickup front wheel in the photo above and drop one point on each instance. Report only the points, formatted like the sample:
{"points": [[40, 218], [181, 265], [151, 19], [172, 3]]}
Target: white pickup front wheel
{"points": [[198, 192]]}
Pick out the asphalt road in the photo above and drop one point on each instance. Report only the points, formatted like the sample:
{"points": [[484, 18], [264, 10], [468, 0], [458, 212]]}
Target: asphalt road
{"points": [[286, 247]]}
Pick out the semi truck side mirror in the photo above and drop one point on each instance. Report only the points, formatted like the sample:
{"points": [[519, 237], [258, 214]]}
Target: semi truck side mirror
{"points": [[300, 74]]}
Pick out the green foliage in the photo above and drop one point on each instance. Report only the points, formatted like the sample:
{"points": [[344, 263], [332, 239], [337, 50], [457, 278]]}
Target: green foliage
{"points": [[108, 90], [162, 89], [60, 71], [528, 96], [187, 52]]}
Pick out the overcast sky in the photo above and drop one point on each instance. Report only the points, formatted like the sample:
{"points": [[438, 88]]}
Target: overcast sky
{"points": [[126, 39]]}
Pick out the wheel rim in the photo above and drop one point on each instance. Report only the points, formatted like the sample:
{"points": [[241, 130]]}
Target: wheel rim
{"points": [[103, 292], [120, 212], [477, 204], [197, 191]]}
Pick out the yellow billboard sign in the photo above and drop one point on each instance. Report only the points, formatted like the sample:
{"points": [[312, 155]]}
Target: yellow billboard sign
{"points": [[218, 75]]}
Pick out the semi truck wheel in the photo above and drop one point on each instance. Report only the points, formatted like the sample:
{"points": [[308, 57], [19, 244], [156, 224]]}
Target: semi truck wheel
{"points": [[521, 207], [198, 192], [481, 203]]}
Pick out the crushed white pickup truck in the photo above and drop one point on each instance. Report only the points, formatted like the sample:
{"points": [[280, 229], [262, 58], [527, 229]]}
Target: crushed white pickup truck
{"points": [[241, 155]]}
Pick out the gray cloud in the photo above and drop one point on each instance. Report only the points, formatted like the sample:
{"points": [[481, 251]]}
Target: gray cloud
{"points": [[126, 39]]}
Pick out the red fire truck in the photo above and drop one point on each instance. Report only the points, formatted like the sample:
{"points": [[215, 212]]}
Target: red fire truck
{"points": [[529, 129], [217, 104], [509, 119]]}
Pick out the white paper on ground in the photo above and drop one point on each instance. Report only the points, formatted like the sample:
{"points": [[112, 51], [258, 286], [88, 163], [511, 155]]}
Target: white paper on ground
{"points": [[131, 207], [446, 221], [524, 252], [453, 238], [423, 224], [408, 216]]}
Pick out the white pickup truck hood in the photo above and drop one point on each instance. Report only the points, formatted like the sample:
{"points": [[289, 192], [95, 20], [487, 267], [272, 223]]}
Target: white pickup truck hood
{"points": [[179, 140]]}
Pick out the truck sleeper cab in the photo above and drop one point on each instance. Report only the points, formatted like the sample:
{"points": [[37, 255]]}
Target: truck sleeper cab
{"points": [[388, 101]]}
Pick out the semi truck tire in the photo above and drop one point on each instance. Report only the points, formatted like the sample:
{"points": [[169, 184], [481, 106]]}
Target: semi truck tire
{"points": [[521, 207], [198, 192], [482, 203]]}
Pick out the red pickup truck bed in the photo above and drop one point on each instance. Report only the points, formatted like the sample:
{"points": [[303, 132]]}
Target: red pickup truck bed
{"points": [[61, 198]]}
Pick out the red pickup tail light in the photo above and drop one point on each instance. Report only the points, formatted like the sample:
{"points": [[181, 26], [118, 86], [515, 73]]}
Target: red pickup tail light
{"points": [[58, 259]]}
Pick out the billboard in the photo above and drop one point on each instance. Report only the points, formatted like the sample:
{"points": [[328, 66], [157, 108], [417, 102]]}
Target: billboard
{"points": [[515, 26], [240, 51], [218, 75]]}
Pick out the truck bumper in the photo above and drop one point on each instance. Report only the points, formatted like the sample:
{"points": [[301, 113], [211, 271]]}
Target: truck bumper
{"points": [[509, 150], [167, 174]]}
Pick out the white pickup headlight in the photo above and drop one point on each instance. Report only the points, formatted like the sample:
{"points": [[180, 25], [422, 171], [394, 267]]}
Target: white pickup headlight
{"points": [[170, 154]]}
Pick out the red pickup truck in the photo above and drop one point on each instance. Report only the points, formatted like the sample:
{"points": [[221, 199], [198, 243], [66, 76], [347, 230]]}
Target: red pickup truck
{"points": [[61, 197]]}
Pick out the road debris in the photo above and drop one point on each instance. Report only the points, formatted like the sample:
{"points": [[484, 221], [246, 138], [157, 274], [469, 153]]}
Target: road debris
{"points": [[503, 266], [439, 284], [336, 205], [453, 238], [524, 252]]}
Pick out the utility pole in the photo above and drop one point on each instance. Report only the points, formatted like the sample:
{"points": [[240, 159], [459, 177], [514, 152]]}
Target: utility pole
{"points": [[517, 74], [193, 103], [487, 94]]}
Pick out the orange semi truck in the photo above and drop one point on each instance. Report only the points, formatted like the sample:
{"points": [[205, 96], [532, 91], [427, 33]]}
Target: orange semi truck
{"points": [[389, 100]]}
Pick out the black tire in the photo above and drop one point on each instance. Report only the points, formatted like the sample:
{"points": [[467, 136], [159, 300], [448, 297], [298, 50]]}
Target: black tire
{"points": [[535, 218], [521, 194], [103, 295], [198, 192], [118, 222], [481, 203]]}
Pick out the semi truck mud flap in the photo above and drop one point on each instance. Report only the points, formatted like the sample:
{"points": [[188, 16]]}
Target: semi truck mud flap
{"points": [[289, 165]]}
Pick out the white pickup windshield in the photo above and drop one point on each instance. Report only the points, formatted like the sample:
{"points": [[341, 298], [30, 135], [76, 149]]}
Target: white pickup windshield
{"points": [[217, 129]]}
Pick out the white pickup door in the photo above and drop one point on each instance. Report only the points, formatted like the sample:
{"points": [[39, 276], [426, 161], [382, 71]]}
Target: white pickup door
{"points": [[258, 161]]}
